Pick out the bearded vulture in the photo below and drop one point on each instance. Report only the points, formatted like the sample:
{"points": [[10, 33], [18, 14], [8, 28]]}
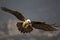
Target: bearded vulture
{"points": [[26, 26]]}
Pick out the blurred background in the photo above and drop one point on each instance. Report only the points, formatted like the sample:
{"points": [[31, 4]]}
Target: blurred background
{"points": [[39, 10]]}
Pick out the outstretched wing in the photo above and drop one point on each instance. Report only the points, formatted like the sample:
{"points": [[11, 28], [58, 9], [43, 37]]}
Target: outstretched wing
{"points": [[15, 13], [24, 30], [43, 26]]}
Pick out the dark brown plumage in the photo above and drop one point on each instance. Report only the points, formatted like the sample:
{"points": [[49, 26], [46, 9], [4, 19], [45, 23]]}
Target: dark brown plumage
{"points": [[15, 13], [22, 29], [35, 24], [43, 26]]}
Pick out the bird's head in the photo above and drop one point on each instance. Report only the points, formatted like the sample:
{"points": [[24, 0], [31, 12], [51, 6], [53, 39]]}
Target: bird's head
{"points": [[26, 23]]}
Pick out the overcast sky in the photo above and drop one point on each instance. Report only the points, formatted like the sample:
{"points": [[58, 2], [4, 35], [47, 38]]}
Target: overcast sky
{"points": [[40, 10]]}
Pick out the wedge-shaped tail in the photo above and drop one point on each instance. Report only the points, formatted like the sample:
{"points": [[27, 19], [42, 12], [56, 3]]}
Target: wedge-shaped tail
{"points": [[22, 29]]}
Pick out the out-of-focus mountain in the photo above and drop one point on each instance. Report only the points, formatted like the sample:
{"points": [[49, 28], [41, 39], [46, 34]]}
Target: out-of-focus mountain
{"points": [[13, 33]]}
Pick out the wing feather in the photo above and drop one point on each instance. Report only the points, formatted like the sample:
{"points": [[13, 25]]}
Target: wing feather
{"points": [[15, 13], [43, 26]]}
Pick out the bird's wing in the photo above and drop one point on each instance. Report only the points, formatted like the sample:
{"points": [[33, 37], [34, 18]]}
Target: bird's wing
{"points": [[15, 13], [23, 30], [43, 26]]}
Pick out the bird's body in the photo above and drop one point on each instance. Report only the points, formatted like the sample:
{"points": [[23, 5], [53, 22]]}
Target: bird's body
{"points": [[27, 25]]}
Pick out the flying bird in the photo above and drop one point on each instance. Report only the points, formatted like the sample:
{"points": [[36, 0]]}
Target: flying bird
{"points": [[26, 26]]}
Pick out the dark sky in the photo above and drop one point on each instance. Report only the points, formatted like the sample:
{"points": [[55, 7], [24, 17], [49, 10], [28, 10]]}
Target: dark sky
{"points": [[40, 10]]}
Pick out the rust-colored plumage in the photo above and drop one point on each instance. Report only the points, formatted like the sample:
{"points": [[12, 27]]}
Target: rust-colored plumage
{"points": [[34, 24]]}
